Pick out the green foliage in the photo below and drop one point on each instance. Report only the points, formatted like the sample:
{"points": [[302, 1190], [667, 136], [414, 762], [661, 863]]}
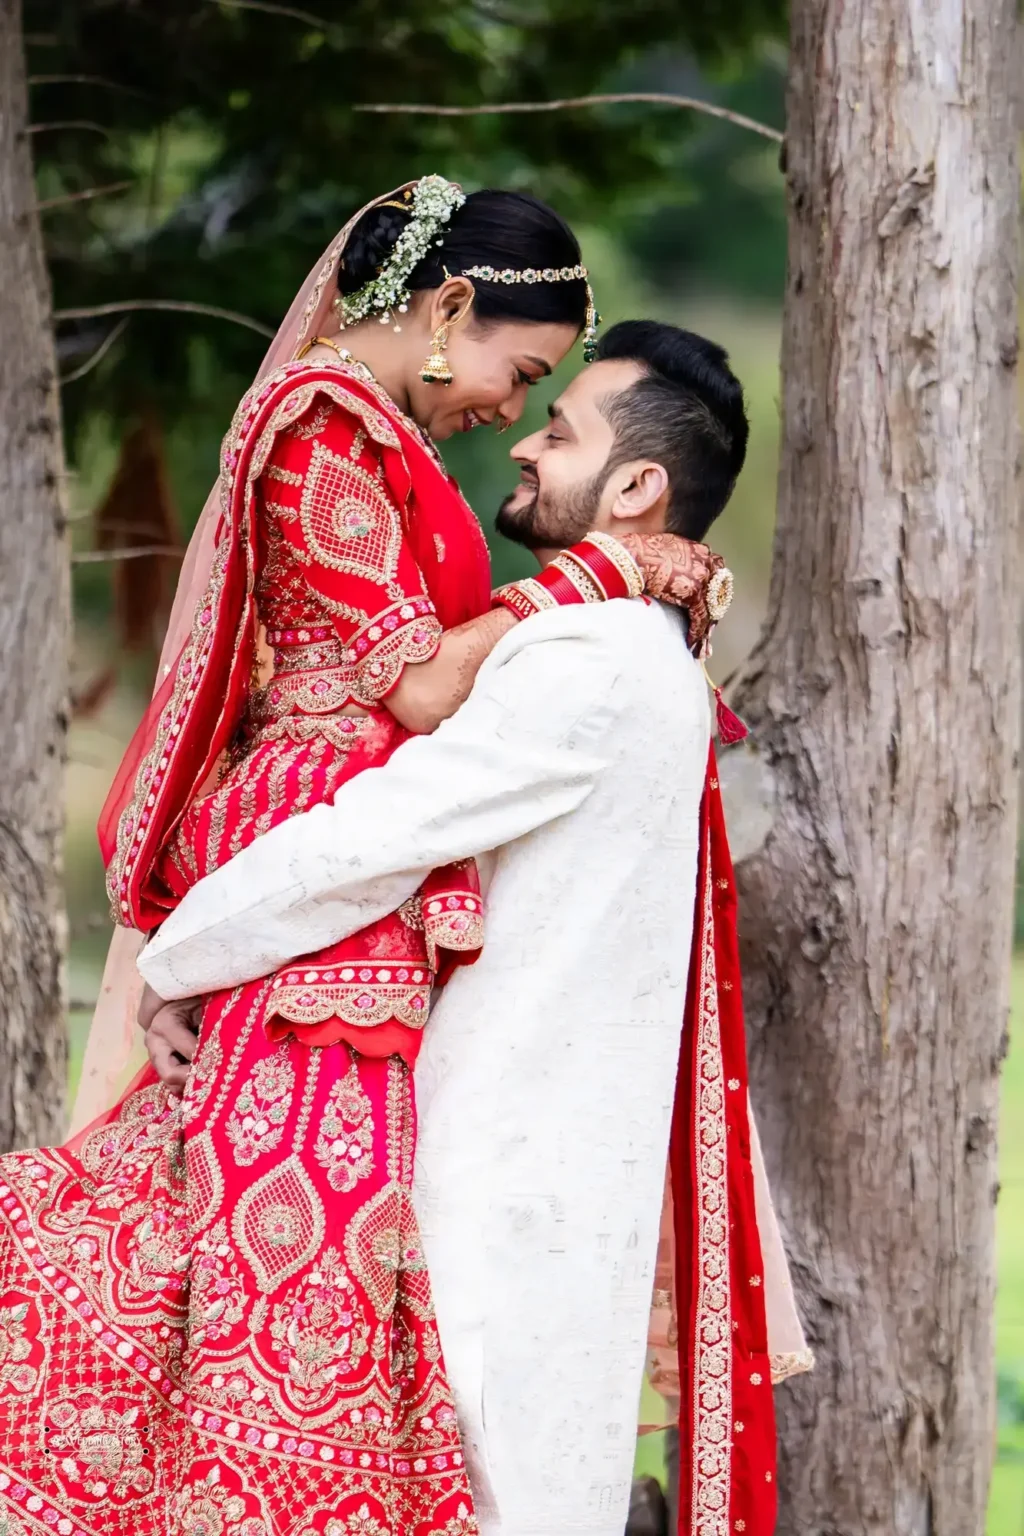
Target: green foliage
{"points": [[718, 216], [237, 130]]}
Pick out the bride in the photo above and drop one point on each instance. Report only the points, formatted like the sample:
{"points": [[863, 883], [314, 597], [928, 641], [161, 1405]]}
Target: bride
{"points": [[215, 1317]]}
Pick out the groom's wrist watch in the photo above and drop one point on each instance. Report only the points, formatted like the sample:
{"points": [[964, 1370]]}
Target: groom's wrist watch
{"points": [[593, 571]]}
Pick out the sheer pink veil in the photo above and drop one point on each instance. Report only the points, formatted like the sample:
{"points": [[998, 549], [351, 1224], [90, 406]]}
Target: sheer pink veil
{"points": [[114, 1045]]}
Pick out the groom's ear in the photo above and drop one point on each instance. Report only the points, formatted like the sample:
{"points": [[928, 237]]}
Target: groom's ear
{"points": [[643, 485]]}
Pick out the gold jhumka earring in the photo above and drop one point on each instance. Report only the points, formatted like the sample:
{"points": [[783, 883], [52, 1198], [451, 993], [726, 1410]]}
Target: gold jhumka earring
{"points": [[436, 370]]}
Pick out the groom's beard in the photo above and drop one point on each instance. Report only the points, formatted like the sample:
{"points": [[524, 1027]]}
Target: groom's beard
{"points": [[539, 521]]}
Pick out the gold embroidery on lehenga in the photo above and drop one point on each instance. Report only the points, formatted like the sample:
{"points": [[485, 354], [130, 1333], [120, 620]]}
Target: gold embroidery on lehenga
{"points": [[207, 1508], [310, 764], [16, 1372], [279, 1224], [345, 1140], [217, 1299], [256, 1123], [99, 1448], [288, 476], [383, 1243], [148, 1127], [216, 830], [282, 756], [251, 774], [204, 1180], [320, 1332], [206, 1065]]}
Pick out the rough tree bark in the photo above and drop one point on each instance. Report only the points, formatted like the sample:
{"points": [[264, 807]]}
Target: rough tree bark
{"points": [[34, 635], [884, 700]]}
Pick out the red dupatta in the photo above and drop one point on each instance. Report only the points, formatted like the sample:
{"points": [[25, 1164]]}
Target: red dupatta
{"points": [[726, 1420], [198, 705]]}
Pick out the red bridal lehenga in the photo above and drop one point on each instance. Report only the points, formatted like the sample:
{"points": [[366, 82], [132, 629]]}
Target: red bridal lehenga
{"points": [[215, 1317]]}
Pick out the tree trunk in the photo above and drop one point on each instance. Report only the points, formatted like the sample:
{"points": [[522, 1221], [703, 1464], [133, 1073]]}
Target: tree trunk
{"points": [[884, 700], [34, 625]]}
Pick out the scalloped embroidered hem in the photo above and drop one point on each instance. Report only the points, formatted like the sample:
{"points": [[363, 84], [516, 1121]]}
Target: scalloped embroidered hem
{"points": [[360, 996]]}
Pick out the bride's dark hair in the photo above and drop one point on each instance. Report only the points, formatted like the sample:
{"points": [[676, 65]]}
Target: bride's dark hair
{"points": [[491, 229]]}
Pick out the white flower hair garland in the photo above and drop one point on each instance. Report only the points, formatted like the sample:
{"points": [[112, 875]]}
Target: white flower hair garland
{"points": [[434, 200]]}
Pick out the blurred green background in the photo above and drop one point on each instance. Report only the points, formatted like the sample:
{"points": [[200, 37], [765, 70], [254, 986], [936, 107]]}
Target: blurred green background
{"points": [[237, 181]]}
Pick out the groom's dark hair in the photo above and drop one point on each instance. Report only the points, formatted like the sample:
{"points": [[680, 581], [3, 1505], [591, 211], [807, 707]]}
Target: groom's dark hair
{"points": [[686, 413]]}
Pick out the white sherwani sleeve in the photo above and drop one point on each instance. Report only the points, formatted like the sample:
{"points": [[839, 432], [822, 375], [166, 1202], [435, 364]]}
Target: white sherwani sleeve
{"points": [[525, 748]]}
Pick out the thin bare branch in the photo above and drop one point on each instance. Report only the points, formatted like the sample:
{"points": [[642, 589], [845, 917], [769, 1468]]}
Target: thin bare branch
{"points": [[79, 123], [274, 10], [91, 922], [103, 556], [656, 98], [108, 85], [82, 197], [174, 306], [99, 354]]}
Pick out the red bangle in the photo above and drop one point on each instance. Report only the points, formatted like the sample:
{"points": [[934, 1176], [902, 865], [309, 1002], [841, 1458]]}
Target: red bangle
{"points": [[556, 580], [608, 577], [610, 564], [593, 571]]}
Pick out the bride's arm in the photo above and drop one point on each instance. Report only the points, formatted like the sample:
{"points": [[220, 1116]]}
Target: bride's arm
{"points": [[429, 691], [672, 569]]}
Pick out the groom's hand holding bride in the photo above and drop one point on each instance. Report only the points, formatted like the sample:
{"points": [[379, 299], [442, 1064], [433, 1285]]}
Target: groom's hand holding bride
{"points": [[674, 570], [170, 1030]]}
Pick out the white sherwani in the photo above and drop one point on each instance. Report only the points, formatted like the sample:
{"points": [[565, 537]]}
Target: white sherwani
{"points": [[547, 1074]]}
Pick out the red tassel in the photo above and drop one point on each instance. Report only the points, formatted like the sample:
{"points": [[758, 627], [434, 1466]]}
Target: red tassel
{"points": [[730, 727]]}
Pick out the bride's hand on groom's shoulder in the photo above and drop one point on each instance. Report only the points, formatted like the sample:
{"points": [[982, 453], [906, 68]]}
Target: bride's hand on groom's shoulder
{"points": [[675, 570]]}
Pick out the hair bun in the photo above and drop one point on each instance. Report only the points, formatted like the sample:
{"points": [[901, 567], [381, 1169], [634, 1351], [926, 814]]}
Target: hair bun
{"points": [[369, 246]]}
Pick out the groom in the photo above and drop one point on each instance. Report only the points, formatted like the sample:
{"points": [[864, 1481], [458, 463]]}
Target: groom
{"points": [[574, 774]]}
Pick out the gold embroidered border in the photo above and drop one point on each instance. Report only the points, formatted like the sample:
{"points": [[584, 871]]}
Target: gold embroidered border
{"points": [[131, 830], [320, 691], [454, 922], [712, 1404], [377, 676], [302, 729], [359, 995]]}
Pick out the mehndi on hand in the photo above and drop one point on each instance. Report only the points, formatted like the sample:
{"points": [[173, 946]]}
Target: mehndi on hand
{"points": [[682, 573]]}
